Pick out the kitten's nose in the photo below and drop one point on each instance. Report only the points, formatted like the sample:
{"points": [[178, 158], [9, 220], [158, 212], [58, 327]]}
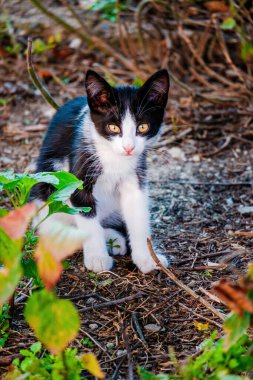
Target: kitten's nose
{"points": [[128, 149]]}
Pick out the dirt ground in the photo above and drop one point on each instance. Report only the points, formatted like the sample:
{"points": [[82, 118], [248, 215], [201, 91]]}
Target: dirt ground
{"points": [[200, 175], [195, 203]]}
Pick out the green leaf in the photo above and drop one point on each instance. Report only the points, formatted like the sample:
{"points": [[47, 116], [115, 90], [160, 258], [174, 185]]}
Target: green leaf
{"points": [[247, 50], [26, 353], [235, 327], [54, 321], [36, 347], [64, 193], [146, 375], [19, 185], [3, 212], [229, 23], [138, 82], [10, 267], [65, 179], [59, 206]]}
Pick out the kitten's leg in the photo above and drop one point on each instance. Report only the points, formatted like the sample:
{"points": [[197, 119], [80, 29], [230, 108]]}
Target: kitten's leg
{"points": [[134, 205], [116, 242], [96, 257]]}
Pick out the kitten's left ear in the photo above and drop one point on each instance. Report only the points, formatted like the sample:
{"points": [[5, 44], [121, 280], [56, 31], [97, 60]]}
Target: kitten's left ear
{"points": [[156, 88]]}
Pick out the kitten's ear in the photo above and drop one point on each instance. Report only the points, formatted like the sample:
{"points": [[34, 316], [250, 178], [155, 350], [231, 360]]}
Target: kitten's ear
{"points": [[156, 88], [98, 91]]}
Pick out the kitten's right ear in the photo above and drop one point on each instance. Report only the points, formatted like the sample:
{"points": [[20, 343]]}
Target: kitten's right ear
{"points": [[98, 91]]}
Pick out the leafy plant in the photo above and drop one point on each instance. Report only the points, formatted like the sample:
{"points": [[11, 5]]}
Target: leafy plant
{"points": [[107, 8], [44, 366], [4, 324], [40, 46], [112, 243], [237, 22], [55, 321]]}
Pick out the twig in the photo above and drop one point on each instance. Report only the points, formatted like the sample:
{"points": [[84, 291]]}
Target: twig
{"points": [[210, 295], [205, 267], [111, 303], [181, 284], [44, 92], [200, 316], [211, 72], [138, 328], [117, 369], [93, 340], [208, 255], [242, 233], [129, 354], [223, 146], [172, 139], [7, 360]]}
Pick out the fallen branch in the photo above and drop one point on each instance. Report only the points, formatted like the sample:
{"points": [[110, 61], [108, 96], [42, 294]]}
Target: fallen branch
{"points": [[200, 315], [37, 83], [181, 284], [111, 303]]}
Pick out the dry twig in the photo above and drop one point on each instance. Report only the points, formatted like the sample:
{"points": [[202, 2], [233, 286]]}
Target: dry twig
{"points": [[181, 284]]}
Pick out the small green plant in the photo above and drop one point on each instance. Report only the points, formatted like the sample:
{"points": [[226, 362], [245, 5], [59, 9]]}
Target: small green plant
{"points": [[111, 245], [40, 46], [7, 35], [40, 365], [4, 324], [236, 22], [107, 8], [87, 342]]}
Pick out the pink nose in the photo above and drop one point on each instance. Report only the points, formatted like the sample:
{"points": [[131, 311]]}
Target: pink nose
{"points": [[128, 149]]}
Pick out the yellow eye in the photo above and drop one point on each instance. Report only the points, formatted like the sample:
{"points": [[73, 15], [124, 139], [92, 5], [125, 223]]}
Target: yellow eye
{"points": [[113, 128], [143, 128]]}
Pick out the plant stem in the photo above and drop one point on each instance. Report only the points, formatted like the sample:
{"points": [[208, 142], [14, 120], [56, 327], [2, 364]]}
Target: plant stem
{"points": [[12, 198], [44, 92]]}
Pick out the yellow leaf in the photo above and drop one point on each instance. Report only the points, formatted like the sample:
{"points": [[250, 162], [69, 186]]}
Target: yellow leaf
{"points": [[51, 40], [92, 365], [201, 326]]}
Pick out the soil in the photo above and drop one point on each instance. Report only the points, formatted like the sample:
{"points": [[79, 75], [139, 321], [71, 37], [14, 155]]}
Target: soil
{"points": [[197, 186]]}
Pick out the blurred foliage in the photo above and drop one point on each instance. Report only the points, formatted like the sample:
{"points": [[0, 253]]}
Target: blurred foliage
{"points": [[107, 9]]}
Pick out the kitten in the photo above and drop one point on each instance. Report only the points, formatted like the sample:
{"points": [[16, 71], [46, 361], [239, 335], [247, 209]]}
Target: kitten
{"points": [[103, 139]]}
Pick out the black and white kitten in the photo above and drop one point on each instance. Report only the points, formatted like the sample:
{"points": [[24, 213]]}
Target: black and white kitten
{"points": [[103, 140]]}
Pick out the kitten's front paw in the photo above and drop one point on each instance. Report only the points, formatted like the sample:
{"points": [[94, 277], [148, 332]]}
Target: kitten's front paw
{"points": [[98, 263], [148, 264]]}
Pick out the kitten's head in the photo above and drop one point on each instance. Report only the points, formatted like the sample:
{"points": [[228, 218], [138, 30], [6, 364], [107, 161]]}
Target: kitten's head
{"points": [[127, 117]]}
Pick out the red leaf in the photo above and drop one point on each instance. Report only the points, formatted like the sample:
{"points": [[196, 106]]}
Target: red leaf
{"points": [[49, 269], [15, 223]]}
